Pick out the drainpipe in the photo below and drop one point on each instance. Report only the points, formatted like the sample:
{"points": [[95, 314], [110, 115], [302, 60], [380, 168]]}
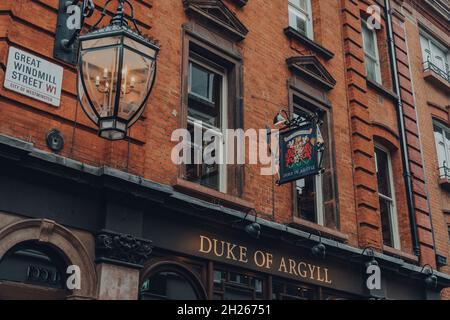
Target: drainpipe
{"points": [[401, 126]]}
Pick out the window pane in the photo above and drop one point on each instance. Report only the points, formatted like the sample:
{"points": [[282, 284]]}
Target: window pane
{"points": [[447, 143], [237, 286], [426, 52], [201, 82], [384, 182], [438, 57], [440, 146], [372, 69], [306, 189], [371, 57], [282, 290], [315, 194], [205, 95], [386, 212], [306, 198], [298, 21], [302, 4], [168, 285], [202, 173], [299, 292], [369, 42]]}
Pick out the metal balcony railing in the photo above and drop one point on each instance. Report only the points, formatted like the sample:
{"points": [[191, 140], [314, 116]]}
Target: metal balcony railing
{"points": [[430, 66], [444, 172]]}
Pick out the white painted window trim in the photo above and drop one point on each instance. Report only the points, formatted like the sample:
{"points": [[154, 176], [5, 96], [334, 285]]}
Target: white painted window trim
{"points": [[375, 58], [221, 132], [446, 136], [431, 40], [309, 17], [393, 213], [320, 216]]}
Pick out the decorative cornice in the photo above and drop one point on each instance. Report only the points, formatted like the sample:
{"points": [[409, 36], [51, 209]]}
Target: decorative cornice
{"points": [[311, 68], [442, 7], [122, 249], [217, 15]]}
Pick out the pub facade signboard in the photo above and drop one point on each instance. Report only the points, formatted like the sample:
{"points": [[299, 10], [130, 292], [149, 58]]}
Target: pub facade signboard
{"points": [[234, 249], [299, 152], [34, 77]]}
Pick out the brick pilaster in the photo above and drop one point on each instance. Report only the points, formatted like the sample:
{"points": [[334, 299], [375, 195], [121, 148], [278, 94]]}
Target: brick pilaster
{"points": [[367, 204]]}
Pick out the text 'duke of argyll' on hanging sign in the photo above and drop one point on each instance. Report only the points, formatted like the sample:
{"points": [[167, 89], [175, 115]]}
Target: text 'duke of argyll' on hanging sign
{"points": [[34, 77]]}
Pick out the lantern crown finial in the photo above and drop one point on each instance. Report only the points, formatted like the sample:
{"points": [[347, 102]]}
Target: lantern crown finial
{"points": [[119, 18]]}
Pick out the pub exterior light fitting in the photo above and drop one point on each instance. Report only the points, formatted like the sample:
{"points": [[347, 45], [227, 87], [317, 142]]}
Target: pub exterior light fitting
{"points": [[116, 73]]}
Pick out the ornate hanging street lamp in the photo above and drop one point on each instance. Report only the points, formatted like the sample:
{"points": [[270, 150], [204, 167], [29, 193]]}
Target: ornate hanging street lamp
{"points": [[116, 73]]}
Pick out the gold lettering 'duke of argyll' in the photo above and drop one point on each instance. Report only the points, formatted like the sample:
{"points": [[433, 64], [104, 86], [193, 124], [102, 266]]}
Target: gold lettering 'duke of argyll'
{"points": [[234, 252]]}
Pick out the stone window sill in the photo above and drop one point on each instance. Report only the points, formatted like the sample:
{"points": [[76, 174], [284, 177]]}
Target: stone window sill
{"points": [[381, 90], [437, 80], [240, 3], [212, 196], [400, 254], [445, 183], [315, 228], [312, 45]]}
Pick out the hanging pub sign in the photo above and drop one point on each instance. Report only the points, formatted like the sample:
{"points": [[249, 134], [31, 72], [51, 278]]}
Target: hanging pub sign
{"points": [[300, 150]]}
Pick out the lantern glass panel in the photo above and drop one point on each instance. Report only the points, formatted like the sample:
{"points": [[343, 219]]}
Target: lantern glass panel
{"points": [[137, 79], [99, 71], [85, 103], [100, 42], [140, 47]]}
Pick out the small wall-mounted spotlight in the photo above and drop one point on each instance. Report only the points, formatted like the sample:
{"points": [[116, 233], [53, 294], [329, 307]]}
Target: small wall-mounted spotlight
{"points": [[319, 250], [371, 263], [254, 229], [55, 140], [370, 252], [431, 278]]}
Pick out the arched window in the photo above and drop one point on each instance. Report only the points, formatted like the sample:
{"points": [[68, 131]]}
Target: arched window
{"points": [[171, 282], [34, 270]]}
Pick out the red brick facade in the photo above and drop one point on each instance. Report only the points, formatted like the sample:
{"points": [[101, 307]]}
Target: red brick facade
{"points": [[363, 116]]}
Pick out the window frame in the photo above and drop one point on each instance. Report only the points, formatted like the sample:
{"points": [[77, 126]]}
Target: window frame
{"points": [[318, 182], [393, 217], [221, 132], [223, 52], [219, 288], [301, 93], [284, 283], [432, 40], [446, 136], [368, 55], [309, 18]]}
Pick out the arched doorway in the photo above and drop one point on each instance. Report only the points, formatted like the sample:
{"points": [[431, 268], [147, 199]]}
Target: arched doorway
{"points": [[33, 270], [171, 281], [51, 242]]}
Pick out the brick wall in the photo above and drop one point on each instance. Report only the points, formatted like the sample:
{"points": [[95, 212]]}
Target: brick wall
{"points": [[431, 102], [361, 115]]}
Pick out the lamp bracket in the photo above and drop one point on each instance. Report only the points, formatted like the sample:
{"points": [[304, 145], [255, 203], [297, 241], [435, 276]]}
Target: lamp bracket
{"points": [[71, 18]]}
